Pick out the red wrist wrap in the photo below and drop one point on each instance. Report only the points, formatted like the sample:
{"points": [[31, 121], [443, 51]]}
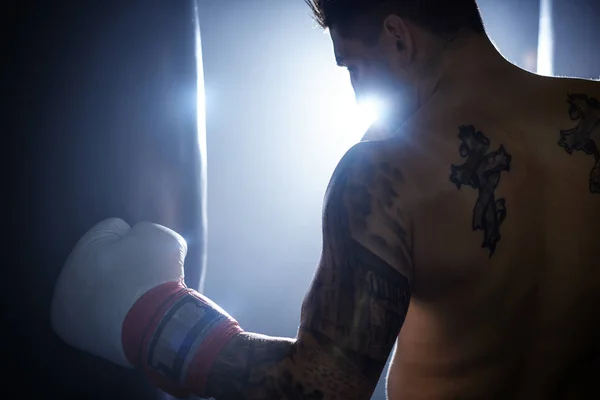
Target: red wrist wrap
{"points": [[174, 334]]}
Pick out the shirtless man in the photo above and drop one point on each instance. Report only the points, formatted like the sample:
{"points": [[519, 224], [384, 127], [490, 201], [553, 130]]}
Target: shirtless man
{"points": [[471, 235]]}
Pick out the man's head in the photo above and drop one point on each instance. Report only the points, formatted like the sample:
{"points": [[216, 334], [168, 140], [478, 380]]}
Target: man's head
{"points": [[387, 44]]}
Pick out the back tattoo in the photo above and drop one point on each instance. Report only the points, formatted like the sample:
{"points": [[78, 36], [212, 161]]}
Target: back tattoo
{"points": [[586, 135], [482, 171]]}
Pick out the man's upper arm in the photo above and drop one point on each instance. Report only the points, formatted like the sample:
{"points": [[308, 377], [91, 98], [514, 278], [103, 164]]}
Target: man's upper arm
{"points": [[361, 290]]}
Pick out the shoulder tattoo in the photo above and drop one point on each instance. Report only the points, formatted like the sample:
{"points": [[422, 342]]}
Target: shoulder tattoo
{"points": [[585, 136], [481, 171]]}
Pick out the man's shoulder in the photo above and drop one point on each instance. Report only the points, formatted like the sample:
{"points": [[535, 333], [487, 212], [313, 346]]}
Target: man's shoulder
{"points": [[380, 168], [359, 156], [561, 87], [367, 157]]}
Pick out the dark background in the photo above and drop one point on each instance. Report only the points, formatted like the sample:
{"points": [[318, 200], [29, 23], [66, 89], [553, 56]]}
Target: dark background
{"points": [[98, 120]]}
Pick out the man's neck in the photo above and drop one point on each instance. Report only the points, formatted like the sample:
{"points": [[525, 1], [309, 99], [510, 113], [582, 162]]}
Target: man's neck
{"points": [[451, 69], [457, 64]]}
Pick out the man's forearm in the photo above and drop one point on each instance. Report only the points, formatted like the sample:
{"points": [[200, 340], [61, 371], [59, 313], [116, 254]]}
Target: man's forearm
{"points": [[185, 344], [249, 366], [254, 366]]}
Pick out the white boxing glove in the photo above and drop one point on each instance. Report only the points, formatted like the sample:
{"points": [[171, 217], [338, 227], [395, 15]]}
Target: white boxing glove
{"points": [[109, 269]]}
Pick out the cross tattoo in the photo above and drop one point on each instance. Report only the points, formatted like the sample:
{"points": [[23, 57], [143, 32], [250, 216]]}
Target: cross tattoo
{"points": [[482, 171], [585, 136]]}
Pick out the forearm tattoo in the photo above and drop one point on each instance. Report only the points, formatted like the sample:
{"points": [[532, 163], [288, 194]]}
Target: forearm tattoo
{"points": [[482, 171], [584, 137], [353, 312]]}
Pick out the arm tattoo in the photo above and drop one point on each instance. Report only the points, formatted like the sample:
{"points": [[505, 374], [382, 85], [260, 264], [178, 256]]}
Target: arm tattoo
{"points": [[585, 136], [355, 307], [482, 171]]}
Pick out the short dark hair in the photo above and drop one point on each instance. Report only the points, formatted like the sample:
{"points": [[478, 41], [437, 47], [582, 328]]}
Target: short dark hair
{"points": [[358, 18]]}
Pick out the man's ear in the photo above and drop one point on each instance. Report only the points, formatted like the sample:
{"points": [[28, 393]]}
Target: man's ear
{"points": [[398, 32]]}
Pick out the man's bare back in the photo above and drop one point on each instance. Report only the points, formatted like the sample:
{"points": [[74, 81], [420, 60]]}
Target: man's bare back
{"points": [[504, 186]]}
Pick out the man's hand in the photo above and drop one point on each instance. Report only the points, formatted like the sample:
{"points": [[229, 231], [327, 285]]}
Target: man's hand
{"points": [[107, 272], [121, 296]]}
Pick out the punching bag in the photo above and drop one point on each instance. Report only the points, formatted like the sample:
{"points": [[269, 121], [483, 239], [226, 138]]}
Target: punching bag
{"points": [[104, 100], [576, 38]]}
